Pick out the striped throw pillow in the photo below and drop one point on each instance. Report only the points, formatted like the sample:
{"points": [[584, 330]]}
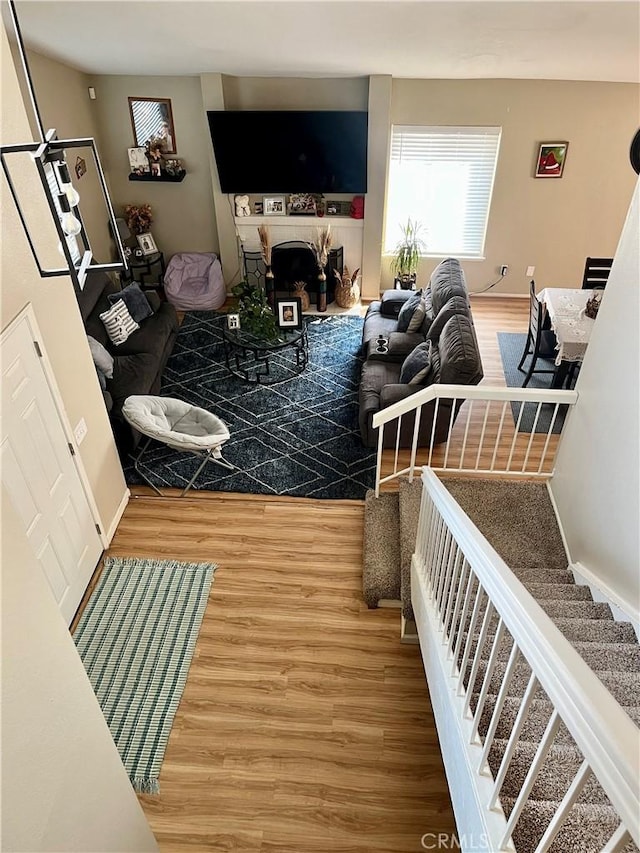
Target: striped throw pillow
{"points": [[118, 322]]}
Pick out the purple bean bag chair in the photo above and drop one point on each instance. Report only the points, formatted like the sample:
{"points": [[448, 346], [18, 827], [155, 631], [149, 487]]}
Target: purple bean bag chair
{"points": [[193, 281]]}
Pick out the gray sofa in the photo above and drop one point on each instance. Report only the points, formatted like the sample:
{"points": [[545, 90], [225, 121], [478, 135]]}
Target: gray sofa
{"points": [[455, 357], [139, 361]]}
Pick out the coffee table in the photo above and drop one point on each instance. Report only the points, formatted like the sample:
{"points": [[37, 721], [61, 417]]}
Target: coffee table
{"points": [[249, 357]]}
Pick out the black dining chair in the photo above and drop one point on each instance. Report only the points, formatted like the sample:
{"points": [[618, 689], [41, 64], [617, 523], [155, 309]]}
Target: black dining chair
{"points": [[541, 342], [596, 273]]}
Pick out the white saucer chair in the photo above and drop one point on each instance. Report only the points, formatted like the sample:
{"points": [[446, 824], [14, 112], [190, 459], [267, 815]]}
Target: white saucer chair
{"points": [[180, 426]]}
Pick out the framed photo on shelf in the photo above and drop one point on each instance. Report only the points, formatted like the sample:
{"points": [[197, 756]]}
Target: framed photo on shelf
{"points": [[275, 205], [138, 161], [147, 244], [289, 313], [551, 158]]}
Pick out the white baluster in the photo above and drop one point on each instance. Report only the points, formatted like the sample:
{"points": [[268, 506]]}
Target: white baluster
{"points": [[536, 765], [484, 427], [514, 657], [514, 737], [414, 443], [395, 461], [470, 632], [461, 596], [433, 429], [445, 576], [453, 588], [618, 841], [463, 619], [477, 657], [379, 462], [466, 433], [549, 433], [484, 690], [562, 812], [450, 430], [516, 433], [531, 437], [498, 436]]}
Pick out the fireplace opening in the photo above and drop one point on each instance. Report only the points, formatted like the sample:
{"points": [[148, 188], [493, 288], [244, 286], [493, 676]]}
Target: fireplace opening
{"points": [[291, 262]]}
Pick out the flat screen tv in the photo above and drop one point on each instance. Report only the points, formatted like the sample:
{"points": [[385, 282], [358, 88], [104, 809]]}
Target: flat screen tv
{"points": [[290, 151]]}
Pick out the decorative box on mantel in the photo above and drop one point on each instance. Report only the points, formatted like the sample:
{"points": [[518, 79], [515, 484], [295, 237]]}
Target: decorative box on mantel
{"points": [[345, 232]]}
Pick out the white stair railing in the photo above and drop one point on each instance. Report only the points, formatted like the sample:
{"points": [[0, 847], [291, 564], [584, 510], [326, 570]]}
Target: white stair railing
{"points": [[462, 591], [482, 437]]}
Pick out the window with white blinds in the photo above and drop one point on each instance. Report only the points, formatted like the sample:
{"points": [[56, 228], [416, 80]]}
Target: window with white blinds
{"points": [[72, 243], [442, 177]]}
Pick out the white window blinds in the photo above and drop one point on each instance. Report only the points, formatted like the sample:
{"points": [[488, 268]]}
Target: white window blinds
{"points": [[442, 177]]}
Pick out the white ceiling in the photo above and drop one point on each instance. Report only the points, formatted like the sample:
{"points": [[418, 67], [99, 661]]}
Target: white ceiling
{"points": [[543, 39]]}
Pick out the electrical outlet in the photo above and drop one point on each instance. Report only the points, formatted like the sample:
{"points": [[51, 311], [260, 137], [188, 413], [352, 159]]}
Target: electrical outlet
{"points": [[504, 269], [530, 271], [80, 431]]}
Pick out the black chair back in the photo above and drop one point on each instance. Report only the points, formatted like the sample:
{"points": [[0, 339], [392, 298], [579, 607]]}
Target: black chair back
{"points": [[536, 316], [596, 273]]}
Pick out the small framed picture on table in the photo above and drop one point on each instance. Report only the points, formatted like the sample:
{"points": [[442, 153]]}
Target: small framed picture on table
{"points": [[147, 244], [289, 313]]}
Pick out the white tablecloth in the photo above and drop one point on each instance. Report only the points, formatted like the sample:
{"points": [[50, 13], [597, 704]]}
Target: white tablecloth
{"points": [[568, 320]]}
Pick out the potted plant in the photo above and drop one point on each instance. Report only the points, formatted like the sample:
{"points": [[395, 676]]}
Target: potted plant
{"points": [[407, 255]]}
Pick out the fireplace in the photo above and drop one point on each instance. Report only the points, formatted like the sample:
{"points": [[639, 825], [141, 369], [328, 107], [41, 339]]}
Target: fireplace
{"points": [[291, 262]]}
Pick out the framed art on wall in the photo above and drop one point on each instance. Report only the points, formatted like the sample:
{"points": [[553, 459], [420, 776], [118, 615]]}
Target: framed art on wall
{"points": [[289, 313], [551, 158]]}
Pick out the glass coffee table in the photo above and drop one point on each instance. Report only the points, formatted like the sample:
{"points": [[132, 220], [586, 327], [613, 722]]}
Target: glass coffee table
{"points": [[250, 358]]}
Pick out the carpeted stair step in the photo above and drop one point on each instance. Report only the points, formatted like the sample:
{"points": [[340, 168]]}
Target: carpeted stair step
{"points": [[596, 631], [536, 721], [516, 517], [624, 686], [381, 560], [558, 771], [561, 609], [529, 575], [586, 830], [409, 495], [566, 591]]}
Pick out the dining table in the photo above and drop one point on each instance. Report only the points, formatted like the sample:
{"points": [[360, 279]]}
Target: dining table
{"points": [[566, 309]]}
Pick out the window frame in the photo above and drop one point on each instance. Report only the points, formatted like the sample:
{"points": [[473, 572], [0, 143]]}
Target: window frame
{"points": [[450, 130]]}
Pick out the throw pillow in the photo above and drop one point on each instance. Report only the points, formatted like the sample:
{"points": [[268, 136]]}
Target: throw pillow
{"points": [[135, 300], [408, 310], [416, 367], [101, 358], [118, 323]]}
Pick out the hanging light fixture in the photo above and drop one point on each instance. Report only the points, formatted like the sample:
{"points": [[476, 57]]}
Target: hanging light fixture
{"points": [[64, 181], [62, 198]]}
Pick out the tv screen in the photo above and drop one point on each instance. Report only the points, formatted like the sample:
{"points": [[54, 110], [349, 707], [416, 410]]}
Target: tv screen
{"points": [[290, 151]]}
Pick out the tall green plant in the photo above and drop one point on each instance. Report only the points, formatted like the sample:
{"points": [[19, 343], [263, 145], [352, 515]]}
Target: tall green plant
{"points": [[408, 249]]}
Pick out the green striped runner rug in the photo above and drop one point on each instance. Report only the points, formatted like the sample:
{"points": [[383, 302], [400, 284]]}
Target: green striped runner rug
{"points": [[136, 639]]}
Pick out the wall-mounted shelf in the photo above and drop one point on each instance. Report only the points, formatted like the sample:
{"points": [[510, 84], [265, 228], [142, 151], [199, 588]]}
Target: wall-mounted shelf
{"points": [[159, 179]]}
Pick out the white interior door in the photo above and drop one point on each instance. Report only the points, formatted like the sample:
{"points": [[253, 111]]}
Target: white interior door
{"points": [[39, 475]]}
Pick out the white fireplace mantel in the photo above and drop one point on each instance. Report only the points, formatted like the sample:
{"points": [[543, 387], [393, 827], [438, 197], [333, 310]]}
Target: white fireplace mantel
{"points": [[345, 232]]}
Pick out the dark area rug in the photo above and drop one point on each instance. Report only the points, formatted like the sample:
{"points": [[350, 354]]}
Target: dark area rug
{"points": [[298, 436], [511, 346]]}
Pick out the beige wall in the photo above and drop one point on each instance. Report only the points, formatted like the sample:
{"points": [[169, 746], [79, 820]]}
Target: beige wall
{"points": [[56, 311], [550, 224], [64, 104], [184, 218], [295, 93], [600, 448], [63, 784]]}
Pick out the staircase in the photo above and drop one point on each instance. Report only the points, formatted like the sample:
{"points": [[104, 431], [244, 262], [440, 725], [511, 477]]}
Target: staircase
{"points": [[518, 520]]}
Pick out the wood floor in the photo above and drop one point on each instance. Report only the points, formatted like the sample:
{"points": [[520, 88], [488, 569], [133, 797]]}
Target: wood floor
{"points": [[305, 726]]}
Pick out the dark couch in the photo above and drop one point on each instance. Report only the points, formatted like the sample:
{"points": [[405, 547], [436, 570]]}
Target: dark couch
{"points": [[139, 361], [455, 356]]}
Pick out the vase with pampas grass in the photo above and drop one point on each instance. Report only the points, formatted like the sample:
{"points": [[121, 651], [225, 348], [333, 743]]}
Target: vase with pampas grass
{"points": [[265, 249], [320, 250]]}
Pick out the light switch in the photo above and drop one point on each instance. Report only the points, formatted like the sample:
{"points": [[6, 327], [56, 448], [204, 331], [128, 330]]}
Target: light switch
{"points": [[531, 271], [80, 431]]}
